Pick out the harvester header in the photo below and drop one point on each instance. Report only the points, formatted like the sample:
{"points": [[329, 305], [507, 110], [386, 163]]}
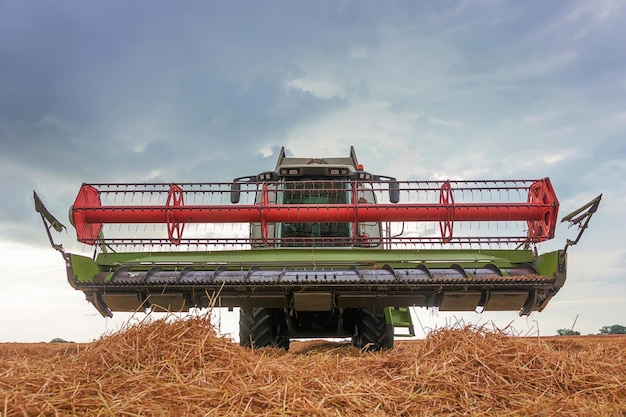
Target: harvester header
{"points": [[317, 247]]}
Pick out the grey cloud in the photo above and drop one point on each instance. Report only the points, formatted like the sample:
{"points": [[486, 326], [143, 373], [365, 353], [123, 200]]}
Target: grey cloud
{"points": [[131, 91]]}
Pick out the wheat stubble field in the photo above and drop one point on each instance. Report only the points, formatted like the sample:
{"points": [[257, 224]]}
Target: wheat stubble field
{"points": [[182, 368]]}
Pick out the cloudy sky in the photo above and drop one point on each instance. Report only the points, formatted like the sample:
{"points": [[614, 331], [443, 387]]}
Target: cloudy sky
{"points": [[207, 91]]}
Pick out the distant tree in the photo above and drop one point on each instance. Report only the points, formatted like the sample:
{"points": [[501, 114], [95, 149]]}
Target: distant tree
{"points": [[58, 340], [614, 329], [567, 332]]}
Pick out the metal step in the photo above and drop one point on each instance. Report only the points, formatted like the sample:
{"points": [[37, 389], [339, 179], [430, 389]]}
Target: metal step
{"points": [[400, 317]]}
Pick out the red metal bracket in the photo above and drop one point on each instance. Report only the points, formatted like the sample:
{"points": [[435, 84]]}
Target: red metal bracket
{"points": [[446, 199], [174, 227], [542, 194], [88, 197], [264, 203]]}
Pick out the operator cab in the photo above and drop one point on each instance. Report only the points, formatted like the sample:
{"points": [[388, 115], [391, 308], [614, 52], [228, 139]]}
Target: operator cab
{"points": [[314, 182]]}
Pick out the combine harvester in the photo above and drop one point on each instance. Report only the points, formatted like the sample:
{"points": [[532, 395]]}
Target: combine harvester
{"points": [[318, 248]]}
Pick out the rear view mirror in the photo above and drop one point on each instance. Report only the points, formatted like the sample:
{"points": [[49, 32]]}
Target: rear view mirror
{"points": [[235, 187], [394, 191], [235, 192], [394, 187]]}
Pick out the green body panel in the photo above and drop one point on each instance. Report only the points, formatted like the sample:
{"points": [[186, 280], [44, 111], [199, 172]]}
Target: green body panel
{"points": [[84, 268], [549, 263]]}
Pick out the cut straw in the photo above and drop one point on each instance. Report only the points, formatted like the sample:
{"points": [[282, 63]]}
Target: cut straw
{"points": [[182, 367]]}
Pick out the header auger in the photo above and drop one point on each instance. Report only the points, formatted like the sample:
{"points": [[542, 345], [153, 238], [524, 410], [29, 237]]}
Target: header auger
{"points": [[316, 248]]}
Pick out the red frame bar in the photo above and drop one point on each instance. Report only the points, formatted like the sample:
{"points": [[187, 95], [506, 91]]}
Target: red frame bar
{"points": [[301, 213]]}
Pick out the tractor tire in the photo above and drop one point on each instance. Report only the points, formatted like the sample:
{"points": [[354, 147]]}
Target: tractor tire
{"points": [[263, 327], [372, 330]]}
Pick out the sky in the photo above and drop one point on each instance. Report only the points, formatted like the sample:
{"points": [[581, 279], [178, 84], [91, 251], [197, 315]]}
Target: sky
{"points": [[163, 91]]}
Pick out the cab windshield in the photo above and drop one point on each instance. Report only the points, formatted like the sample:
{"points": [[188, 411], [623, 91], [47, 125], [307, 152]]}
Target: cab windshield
{"points": [[318, 233]]}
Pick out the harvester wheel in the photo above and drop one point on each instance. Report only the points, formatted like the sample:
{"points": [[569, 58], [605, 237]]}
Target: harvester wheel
{"points": [[263, 327], [372, 330]]}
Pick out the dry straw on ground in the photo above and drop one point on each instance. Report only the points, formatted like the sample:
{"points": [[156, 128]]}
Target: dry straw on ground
{"points": [[181, 367]]}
